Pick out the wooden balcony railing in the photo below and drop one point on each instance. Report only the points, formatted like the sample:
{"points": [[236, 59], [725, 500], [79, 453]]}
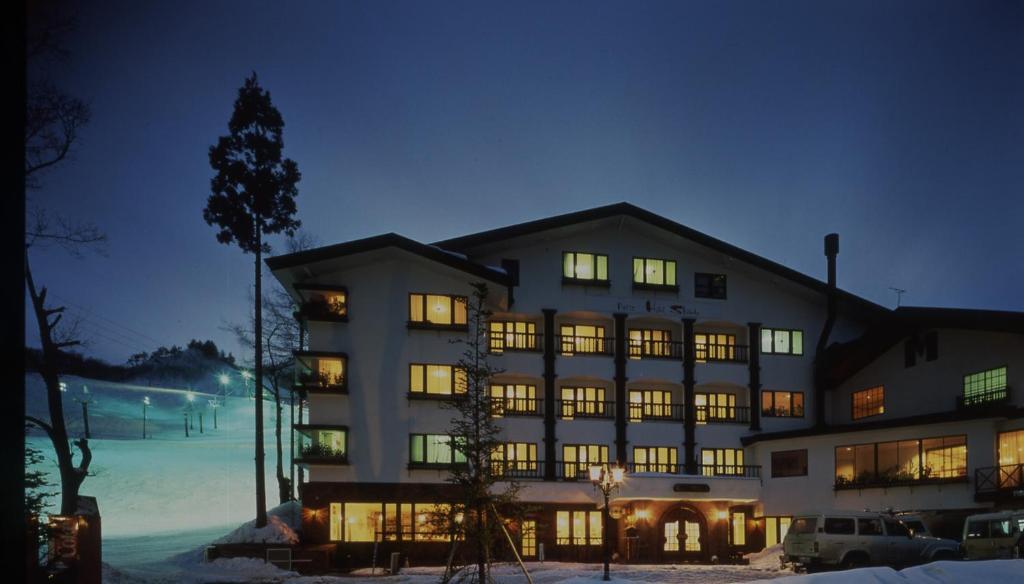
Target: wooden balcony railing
{"points": [[569, 409], [993, 480], [722, 353], [722, 414], [639, 349], [500, 342], [516, 406], [577, 345], [643, 412], [993, 396]]}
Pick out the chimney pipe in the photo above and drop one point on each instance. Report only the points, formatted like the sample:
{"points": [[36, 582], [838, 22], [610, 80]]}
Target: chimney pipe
{"points": [[831, 251]]}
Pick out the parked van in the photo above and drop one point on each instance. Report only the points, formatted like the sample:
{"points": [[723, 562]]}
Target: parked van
{"points": [[851, 539], [994, 535]]}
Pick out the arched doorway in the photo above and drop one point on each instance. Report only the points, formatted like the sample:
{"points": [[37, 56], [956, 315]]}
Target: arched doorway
{"points": [[683, 534]]}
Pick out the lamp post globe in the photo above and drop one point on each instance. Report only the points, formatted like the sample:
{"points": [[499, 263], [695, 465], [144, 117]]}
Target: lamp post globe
{"points": [[607, 480]]}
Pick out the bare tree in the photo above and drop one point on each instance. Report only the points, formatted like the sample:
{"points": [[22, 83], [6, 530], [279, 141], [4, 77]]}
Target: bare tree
{"points": [[53, 121]]}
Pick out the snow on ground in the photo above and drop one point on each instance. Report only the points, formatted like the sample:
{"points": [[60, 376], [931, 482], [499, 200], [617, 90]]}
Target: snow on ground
{"points": [[283, 522]]}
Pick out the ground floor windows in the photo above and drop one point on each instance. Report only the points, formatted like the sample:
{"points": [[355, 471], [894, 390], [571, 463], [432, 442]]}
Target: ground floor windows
{"points": [[433, 450], [902, 461], [654, 459], [691, 532], [738, 528], [577, 459], [775, 529], [721, 461], [375, 521], [578, 528]]}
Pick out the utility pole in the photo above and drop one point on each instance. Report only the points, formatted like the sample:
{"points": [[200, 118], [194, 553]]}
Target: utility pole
{"points": [[186, 424]]}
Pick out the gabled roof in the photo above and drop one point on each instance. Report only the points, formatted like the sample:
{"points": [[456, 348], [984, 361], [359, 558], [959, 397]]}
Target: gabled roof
{"points": [[843, 360], [467, 242], [387, 240]]}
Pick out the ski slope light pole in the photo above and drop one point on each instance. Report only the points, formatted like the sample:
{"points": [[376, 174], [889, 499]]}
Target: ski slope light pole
{"points": [[85, 400], [225, 381], [246, 376], [145, 404], [607, 481], [214, 404]]}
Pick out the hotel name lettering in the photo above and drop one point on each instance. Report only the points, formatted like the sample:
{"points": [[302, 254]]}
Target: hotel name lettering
{"points": [[655, 308]]}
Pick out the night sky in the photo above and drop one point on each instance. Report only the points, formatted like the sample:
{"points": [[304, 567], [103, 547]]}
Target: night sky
{"points": [[766, 124]]}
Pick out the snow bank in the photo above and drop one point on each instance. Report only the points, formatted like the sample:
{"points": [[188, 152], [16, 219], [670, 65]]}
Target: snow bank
{"points": [[283, 523], [766, 559], [991, 571]]}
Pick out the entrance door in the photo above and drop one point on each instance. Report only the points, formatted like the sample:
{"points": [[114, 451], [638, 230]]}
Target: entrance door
{"points": [[684, 535]]}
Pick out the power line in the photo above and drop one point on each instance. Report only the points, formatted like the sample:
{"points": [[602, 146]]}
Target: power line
{"points": [[93, 312]]}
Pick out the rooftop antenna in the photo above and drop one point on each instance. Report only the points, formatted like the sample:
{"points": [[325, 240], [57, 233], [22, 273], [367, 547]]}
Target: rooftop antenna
{"points": [[899, 294]]}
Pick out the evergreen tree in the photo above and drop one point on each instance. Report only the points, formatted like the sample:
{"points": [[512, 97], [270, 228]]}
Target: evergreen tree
{"points": [[253, 195]]}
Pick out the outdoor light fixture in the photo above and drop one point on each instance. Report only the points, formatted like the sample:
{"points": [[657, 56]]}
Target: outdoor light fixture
{"points": [[224, 379], [723, 515], [606, 481], [190, 396]]}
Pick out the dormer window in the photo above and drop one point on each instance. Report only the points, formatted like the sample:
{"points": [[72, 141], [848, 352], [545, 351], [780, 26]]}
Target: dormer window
{"points": [[584, 268], [437, 311], [654, 273]]}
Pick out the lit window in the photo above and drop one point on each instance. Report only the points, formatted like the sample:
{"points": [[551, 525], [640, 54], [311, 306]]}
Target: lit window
{"points": [[654, 272], [583, 338], [514, 398], [775, 529], [721, 461], [655, 459], [330, 372], [782, 404], [328, 305], [646, 404], [434, 449], [437, 310], [509, 457], [578, 458], [715, 407], [436, 379], [1011, 449], [528, 535], [336, 522], [364, 522], [328, 443], [432, 522], [868, 402], [513, 336], [739, 528], [584, 267], [985, 386], [901, 461], [709, 286], [776, 341], [582, 402], [651, 343], [714, 347]]}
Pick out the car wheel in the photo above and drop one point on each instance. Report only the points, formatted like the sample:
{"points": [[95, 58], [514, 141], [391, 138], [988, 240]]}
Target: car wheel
{"points": [[853, 561]]}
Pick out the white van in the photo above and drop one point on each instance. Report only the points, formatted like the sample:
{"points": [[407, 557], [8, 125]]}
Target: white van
{"points": [[851, 539], [994, 535]]}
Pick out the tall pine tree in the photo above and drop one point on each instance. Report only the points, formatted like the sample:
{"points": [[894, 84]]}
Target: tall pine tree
{"points": [[253, 194]]}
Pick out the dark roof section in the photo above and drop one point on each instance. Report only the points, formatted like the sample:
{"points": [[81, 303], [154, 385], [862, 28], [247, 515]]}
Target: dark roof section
{"points": [[842, 360], [383, 241], [469, 241], [993, 411]]}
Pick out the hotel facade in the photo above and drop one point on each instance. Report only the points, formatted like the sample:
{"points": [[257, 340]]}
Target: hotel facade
{"points": [[735, 392]]}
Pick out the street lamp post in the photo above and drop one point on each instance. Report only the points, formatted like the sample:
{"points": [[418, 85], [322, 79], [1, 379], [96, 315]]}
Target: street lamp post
{"points": [[214, 404], [607, 481], [145, 404]]}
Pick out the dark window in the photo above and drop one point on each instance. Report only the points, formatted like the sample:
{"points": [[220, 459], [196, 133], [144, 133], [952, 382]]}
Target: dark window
{"points": [[915, 347], [869, 526], [709, 286], [839, 525], [896, 528], [789, 463], [977, 529]]}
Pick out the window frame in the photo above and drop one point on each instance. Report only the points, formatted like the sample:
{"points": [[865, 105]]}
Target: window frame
{"points": [[711, 287], [532, 339], [854, 407], [426, 324], [979, 398], [645, 285], [454, 453], [877, 480], [738, 469], [595, 281], [772, 330], [779, 475], [771, 413], [670, 467], [424, 394]]}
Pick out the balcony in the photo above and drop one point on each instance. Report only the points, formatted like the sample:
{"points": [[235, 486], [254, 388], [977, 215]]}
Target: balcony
{"points": [[571, 409], [999, 482], [501, 342], [866, 480], [580, 471], [717, 353], [515, 470], [716, 470], [646, 349], [580, 345], [991, 397], [516, 406], [722, 414], [647, 412], [320, 454]]}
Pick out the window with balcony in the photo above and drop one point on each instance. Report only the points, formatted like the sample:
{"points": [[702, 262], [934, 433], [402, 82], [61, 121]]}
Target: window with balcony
{"points": [[715, 407], [323, 445], [322, 371], [868, 402], [577, 459], [901, 462], [714, 347], [985, 387], [433, 450], [584, 339], [431, 380], [709, 286], [789, 463], [776, 341], [578, 527], [721, 461], [654, 273], [584, 268], [649, 404], [511, 399], [655, 459], [652, 343], [513, 336], [782, 404], [514, 459], [437, 311], [583, 402]]}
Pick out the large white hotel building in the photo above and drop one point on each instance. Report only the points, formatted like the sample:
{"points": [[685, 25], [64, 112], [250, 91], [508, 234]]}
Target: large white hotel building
{"points": [[736, 392]]}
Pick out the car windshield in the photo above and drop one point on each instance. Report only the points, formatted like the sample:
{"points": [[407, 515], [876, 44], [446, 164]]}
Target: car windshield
{"points": [[915, 526], [804, 525]]}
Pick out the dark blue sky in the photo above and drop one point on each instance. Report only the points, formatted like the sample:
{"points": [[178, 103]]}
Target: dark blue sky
{"points": [[767, 124]]}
